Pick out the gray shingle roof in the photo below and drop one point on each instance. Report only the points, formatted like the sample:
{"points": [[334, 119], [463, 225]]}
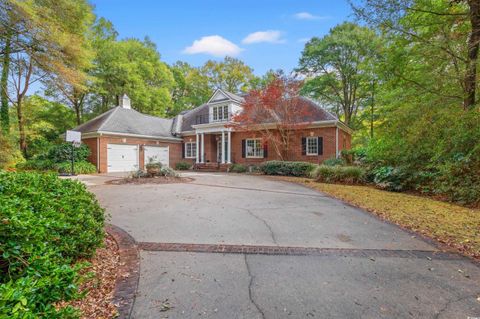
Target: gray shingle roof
{"points": [[128, 121]]}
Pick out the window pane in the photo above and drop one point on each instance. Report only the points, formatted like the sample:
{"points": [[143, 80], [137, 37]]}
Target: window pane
{"points": [[312, 146]]}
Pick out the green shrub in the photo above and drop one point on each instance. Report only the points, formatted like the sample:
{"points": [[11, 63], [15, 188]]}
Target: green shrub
{"points": [[459, 180], [183, 166], [333, 162], [167, 172], [47, 224], [82, 167], [338, 174], [138, 174], [238, 168], [9, 153], [63, 153], [36, 165], [287, 168]]}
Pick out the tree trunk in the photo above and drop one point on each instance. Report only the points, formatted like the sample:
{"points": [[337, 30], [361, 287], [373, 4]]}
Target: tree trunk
{"points": [[373, 110], [76, 107], [21, 128], [473, 47], [4, 117]]}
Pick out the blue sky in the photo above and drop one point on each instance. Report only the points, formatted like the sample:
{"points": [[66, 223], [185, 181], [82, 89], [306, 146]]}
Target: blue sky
{"points": [[266, 34]]}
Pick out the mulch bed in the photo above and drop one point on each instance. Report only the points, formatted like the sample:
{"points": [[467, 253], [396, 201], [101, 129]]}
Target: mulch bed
{"points": [[98, 302], [150, 180]]}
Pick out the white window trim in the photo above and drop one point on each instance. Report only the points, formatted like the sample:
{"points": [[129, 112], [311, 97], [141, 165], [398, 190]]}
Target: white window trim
{"points": [[193, 150], [316, 141], [220, 109], [256, 140]]}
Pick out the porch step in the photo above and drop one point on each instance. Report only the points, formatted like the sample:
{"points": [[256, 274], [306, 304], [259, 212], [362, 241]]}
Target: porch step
{"points": [[211, 167]]}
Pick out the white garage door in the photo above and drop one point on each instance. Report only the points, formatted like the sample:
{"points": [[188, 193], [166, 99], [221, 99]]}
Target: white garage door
{"points": [[122, 158], [157, 154]]}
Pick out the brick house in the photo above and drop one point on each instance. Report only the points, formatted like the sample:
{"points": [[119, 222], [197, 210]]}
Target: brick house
{"points": [[123, 139]]}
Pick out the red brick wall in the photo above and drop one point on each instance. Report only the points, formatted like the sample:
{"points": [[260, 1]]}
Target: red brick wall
{"points": [[175, 149], [92, 145], [328, 134]]}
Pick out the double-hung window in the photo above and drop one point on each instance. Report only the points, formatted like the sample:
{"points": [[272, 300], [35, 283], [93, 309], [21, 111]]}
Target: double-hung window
{"points": [[254, 148], [190, 150], [312, 146], [220, 113]]}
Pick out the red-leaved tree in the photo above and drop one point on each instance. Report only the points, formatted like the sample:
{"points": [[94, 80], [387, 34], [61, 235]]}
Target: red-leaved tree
{"points": [[277, 113]]}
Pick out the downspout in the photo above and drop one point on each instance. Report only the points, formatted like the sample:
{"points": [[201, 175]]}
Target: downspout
{"points": [[336, 140], [98, 154]]}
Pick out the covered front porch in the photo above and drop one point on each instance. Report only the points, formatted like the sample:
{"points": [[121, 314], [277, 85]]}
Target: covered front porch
{"points": [[213, 147]]}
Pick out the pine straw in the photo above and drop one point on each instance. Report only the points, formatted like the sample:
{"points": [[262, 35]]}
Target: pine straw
{"points": [[97, 303], [151, 180], [453, 225]]}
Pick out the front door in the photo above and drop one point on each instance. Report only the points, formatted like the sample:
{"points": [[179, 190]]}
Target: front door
{"points": [[220, 150]]}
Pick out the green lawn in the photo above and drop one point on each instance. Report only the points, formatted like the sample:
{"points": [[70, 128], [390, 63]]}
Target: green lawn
{"points": [[456, 226]]}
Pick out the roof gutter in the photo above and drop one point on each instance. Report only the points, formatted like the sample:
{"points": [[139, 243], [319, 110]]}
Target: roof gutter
{"points": [[152, 137]]}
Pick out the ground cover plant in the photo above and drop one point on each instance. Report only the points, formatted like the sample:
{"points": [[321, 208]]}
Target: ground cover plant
{"points": [[47, 224]]}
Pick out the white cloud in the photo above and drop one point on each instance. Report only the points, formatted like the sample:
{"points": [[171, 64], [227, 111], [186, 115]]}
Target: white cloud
{"points": [[307, 16], [214, 45], [269, 36], [304, 40]]}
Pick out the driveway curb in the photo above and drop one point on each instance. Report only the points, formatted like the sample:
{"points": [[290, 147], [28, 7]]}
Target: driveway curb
{"points": [[129, 271]]}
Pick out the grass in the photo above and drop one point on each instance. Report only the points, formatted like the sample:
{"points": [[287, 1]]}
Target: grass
{"points": [[455, 226]]}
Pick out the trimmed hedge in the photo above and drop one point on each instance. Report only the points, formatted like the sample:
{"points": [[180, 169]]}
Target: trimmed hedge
{"points": [[300, 169], [238, 168], [182, 166], [339, 174], [47, 224]]}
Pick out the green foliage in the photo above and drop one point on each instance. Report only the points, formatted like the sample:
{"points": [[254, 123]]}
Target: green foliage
{"points": [[287, 168], [459, 180], [238, 168], [231, 74], [81, 167], [338, 174], [63, 153], [47, 224], [182, 166], [167, 172], [341, 61], [191, 88], [9, 154], [333, 162], [133, 67]]}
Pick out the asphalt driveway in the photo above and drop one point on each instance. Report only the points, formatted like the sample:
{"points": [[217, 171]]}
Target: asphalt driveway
{"points": [[313, 256]]}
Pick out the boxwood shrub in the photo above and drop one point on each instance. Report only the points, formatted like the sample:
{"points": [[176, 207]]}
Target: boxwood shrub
{"points": [[287, 168], [46, 225], [238, 168], [182, 166], [338, 174]]}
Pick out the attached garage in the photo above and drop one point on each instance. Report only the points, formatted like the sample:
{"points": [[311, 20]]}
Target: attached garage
{"points": [[156, 154], [122, 158]]}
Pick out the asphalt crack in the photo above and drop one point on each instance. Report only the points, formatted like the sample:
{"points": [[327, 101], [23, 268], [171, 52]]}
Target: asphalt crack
{"points": [[449, 303], [272, 234], [250, 284]]}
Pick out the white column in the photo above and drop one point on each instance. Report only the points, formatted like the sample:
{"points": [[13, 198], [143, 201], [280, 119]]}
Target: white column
{"points": [[229, 147], [196, 149], [223, 147], [202, 151]]}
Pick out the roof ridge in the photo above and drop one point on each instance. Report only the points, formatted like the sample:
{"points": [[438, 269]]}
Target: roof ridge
{"points": [[115, 109]]}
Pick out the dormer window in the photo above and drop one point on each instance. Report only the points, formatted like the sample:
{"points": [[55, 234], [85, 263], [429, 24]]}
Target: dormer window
{"points": [[220, 113]]}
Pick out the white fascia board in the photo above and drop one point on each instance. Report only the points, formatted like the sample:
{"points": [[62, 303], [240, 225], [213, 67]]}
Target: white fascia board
{"points": [[150, 137]]}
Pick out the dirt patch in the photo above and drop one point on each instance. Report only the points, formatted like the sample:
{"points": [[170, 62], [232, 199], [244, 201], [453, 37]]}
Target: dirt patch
{"points": [[100, 287], [150, 180]]}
